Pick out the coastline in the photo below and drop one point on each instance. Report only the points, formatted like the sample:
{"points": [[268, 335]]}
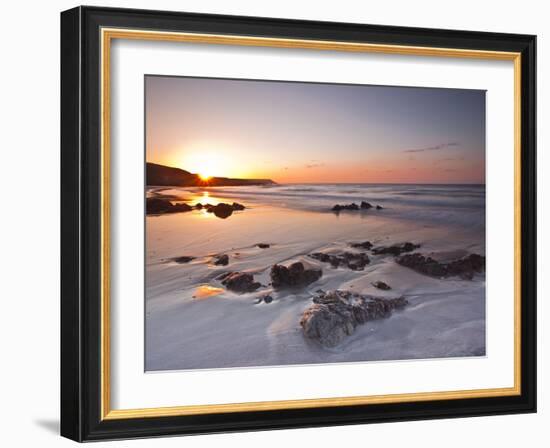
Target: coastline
{"points": [[193, 322]]}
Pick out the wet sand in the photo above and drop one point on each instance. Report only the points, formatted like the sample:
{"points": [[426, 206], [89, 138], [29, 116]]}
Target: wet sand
{"points": [[193, 322]]}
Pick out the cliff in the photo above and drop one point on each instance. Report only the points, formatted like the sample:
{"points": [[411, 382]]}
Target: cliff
{"points": [[169, 176]]}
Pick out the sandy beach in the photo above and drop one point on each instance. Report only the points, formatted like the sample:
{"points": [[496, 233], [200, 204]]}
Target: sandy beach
{"points": [[194, 322]]}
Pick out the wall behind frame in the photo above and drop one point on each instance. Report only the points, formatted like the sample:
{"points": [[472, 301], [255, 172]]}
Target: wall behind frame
{"points": [[29, 234]]}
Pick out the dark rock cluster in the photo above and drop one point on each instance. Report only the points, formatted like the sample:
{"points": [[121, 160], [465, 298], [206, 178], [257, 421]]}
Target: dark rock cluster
{"points": [[293, 276], [162, 205], [352, 260], [239, 282], [221, 210], [464, 268], [334, 315], [338, 207], [159, 206], [353, 206]]}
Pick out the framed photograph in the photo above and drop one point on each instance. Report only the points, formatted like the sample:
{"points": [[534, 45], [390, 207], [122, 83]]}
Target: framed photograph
{"points": [[272, 223]]}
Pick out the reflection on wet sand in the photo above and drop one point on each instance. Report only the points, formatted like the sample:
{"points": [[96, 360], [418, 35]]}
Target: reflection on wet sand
{"points": [[205, 291]]}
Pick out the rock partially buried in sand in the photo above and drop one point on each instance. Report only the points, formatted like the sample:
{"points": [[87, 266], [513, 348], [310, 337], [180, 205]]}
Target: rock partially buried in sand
{"points": [[183, 259], [158, 206], [334, 315], [381, 285], [396, 249], [464, 268], [263, 245], [221, 260], [294, 276], [239, 282], [351, 260]]}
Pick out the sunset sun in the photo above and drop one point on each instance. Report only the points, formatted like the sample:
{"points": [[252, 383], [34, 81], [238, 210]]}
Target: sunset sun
{"points": [[205, 164]]}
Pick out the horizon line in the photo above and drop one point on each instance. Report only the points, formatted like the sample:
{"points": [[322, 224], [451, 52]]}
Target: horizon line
{"points": [[324, 183]]}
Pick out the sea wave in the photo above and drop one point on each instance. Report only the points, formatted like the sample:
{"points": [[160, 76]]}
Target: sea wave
{"points": [[462, 205]]}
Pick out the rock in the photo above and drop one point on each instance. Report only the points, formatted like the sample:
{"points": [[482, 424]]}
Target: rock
{"points": [[263, 245], [352, 260], [221, 260], [365, 205], [334, 315], [223, 210], [464, 268], [181, 207], [381, 285], [240, 282], [339, 207], [396, 249], [184, 259], [364, 245], [353, 206], [158, 206], [267, 299], [293, 276]]}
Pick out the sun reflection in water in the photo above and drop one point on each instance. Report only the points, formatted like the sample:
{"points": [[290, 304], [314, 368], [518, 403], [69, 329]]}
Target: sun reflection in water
{"points": [[205, 197]]}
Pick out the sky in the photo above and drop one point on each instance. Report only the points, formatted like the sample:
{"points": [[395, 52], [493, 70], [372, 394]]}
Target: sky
{"points": [[295, 132]]}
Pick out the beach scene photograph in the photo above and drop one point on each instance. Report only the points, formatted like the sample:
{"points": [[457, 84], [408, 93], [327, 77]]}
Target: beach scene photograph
{"points": [[298, 223]]}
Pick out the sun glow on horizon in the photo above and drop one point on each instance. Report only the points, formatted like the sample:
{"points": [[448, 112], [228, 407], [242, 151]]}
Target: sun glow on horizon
{"points": [[206, 164]]}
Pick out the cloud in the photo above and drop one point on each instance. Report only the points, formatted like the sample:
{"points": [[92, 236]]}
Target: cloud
{"points": [[449, 170], [433, 148], [314, 165]]}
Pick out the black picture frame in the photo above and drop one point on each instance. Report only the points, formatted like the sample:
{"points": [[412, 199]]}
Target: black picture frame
{"points": [[81, 224]]}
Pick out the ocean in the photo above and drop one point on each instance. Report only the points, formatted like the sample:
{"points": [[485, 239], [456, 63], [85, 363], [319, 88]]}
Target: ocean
{"points": [[193, 322]]}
